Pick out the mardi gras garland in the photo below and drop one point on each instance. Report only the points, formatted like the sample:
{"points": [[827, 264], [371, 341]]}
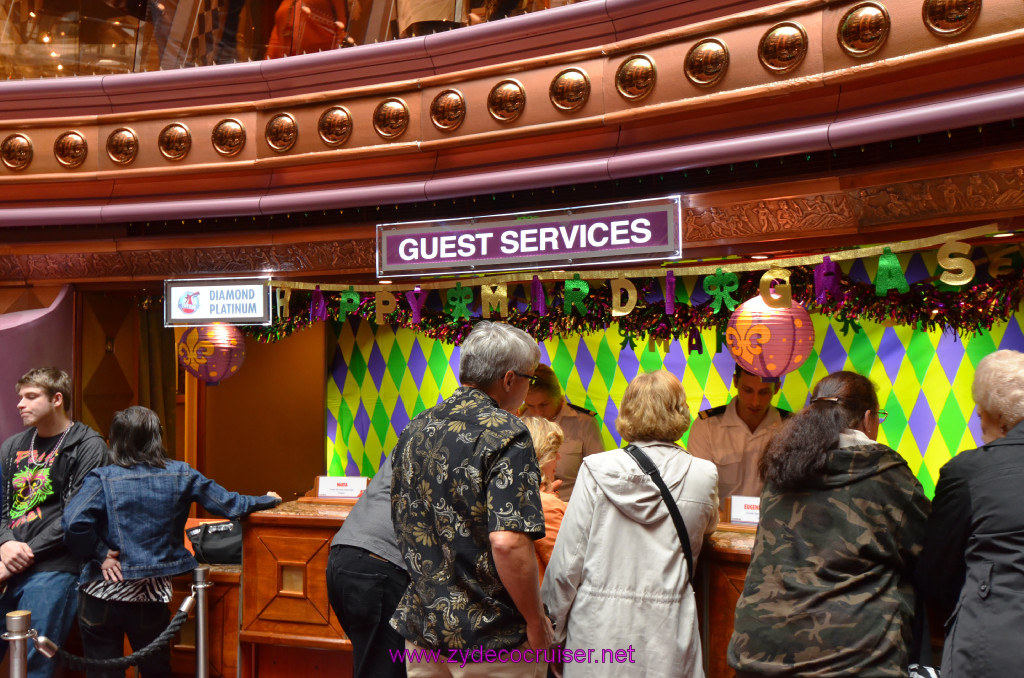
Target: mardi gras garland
{"points": [[925, 305]]}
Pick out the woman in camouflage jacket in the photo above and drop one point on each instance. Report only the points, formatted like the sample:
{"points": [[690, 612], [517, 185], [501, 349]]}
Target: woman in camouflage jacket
{"points": [[829, 591]]}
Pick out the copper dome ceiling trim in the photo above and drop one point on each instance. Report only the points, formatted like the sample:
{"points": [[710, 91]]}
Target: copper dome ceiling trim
{"points": [[272, 170]]}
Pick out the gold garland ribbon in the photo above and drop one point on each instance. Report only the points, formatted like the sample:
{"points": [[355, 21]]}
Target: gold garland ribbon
{"points": [[692, 270]]}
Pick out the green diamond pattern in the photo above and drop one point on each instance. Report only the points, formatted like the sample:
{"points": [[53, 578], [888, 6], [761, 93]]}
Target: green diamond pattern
{"points": [[862, 354], [606, 363], [920, 353], [951, 423], [979, 346], [437, 363], [397, 363]]}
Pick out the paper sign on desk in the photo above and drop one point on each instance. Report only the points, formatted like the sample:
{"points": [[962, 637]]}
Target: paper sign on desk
{"points": [[745, 509], [341, 487]]}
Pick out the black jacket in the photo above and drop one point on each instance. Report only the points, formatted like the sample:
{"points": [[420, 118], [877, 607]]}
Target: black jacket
{"points": [[82, 451], [973, 560]]}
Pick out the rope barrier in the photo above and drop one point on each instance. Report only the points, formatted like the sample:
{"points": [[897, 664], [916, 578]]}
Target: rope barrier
{"points": [[76, 663]]}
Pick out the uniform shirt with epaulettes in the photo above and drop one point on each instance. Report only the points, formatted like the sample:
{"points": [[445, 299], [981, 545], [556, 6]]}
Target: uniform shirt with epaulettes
{"points": [[720, 436], [581, 438]]}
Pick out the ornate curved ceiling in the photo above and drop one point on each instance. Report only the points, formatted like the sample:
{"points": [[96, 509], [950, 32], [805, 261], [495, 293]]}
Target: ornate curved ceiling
{"points": [[646, 87]]}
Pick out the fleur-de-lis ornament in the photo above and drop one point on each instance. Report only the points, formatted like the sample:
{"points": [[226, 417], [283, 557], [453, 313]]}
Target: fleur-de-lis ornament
{"points": [[720, 286], [747, 338]]}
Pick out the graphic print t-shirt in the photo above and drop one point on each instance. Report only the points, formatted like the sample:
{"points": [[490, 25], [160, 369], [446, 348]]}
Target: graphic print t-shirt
{"points": [[31, 484]]}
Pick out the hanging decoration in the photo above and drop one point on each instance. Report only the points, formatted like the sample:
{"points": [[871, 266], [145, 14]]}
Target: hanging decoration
{"points": [[317, 306], [211, 353], [459, 299], [384, 303], [540, 305], [890, 275], [815, 281], [826, 280], [720, 287], [620, 308], [768, 341], [494, 299], [348, 302], [416, 299], [576, 291], [670, 293]]}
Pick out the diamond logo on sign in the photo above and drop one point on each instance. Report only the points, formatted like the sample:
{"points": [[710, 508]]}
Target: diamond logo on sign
{"points": [[188, 302]]}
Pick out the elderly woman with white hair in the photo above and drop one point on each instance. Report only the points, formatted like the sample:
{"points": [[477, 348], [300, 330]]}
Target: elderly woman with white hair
{"points": [[618, 580], [973, 562]]}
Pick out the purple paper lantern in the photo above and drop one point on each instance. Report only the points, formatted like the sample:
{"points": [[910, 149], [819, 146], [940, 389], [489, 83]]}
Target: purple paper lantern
{"points": [[767, 341], [211, 353]]}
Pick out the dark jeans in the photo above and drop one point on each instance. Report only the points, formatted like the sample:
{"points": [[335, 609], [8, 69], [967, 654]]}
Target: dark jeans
{"points": [[364, 591], [104, 623], [50, 597]]}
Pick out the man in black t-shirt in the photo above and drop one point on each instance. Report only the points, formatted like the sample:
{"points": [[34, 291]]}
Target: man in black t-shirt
{"points": [[41, 468]]}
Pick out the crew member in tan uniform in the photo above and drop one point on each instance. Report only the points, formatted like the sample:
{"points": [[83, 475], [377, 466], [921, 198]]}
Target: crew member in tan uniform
{"points": [[582, 435], [734, 436]]}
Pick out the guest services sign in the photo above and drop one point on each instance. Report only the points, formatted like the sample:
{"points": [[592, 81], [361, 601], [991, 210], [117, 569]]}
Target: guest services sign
{"points": [[239, 301], [641, 230]]}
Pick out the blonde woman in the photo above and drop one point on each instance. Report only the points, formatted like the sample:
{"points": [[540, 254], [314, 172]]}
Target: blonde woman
{"points": [[618, 576], [547, 437]]}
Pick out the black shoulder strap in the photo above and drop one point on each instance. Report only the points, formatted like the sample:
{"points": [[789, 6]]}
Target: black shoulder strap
{"points": [[648, 467]]}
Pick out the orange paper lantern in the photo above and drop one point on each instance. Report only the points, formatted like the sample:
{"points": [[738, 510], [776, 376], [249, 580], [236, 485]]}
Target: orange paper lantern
{"points": [[211, 353], [769, 341]]}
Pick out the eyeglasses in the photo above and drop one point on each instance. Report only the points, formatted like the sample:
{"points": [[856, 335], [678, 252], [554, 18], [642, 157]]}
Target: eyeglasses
{"points": [[532, 378], [882, 414]]}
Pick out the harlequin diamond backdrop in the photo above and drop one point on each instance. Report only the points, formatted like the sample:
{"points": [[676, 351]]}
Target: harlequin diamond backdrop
{"points": [[379, 379]]}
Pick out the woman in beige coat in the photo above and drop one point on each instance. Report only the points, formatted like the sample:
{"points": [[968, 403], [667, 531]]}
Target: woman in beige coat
{"points": [[618, 580]]}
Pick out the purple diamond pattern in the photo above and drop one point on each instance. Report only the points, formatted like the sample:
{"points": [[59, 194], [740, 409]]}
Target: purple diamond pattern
{"points": [[1012, 338], [332, 427], [699, 296], [628, 365], [376, 365], [399, 416], [950, 353], [922, 422], [858, 273], [339, 368], [417, 364], [675, 360], [610, 414], [974, 425], [361, 422], [584, 364], [453, 362], [832, 354], [724, 365], [916, 270], [891, 353]]}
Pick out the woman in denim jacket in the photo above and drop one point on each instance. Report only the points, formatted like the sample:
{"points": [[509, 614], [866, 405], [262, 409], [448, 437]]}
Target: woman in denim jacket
{"points": [[127, 522]]}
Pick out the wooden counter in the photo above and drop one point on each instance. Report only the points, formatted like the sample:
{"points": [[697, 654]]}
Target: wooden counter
{"points": [[721, 571], [287, 625]]}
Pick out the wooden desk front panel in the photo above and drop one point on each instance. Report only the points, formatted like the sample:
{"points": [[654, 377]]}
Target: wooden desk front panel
{"points": [[285, 592]]}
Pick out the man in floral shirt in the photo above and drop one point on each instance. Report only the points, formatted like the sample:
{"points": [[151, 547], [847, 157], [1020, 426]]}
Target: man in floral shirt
{"points": [[465, 500]]}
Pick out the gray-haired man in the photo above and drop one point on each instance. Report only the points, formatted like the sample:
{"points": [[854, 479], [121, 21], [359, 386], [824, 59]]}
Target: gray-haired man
{"points": [[465, 500]]}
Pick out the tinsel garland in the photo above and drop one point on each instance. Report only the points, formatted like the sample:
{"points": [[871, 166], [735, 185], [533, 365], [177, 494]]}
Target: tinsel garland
{"points": [[925, 306]]}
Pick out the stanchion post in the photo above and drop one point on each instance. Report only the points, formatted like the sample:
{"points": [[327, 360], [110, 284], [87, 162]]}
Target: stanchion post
{"points": [[19, 630], [201, 582]]}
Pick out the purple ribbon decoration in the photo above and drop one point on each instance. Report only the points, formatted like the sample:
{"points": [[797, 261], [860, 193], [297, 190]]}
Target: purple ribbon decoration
{"points": [[317, 306], [540, 303], [416, 301], [826, 280]]}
